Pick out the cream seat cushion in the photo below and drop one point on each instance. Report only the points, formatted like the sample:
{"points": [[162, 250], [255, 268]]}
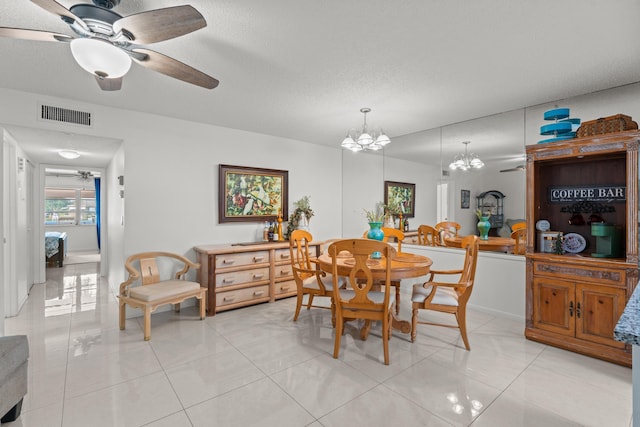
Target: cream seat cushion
{"points": [[443, 296], [376, 297], [312, 283], [166, 288]]}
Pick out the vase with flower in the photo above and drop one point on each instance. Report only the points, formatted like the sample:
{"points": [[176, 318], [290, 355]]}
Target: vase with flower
{"points": [[483, 224], [375, 218]]}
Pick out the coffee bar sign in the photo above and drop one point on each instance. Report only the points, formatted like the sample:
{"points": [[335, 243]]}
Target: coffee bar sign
{"points": [[594, 193]]}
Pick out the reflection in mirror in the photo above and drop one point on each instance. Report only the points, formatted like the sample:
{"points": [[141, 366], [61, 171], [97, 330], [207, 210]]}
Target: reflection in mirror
{"points": [[499, 142]]}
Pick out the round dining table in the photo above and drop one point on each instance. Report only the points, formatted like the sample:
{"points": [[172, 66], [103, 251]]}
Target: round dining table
{"points": [[494, 244], [403, 266]]}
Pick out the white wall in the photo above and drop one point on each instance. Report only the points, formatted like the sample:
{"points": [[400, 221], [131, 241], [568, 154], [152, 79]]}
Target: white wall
{"points": [[499, 284], [171, 173]]}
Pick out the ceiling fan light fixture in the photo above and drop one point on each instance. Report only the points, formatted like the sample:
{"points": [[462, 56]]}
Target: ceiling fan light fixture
{"points": [[100, 57], [69, 154]]}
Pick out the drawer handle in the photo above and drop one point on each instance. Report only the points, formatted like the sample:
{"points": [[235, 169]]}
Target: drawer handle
{"points": [[258, 293], [227, 280], [285, 256], [285, 272], [258, 276], [225, 299], [284, 288], [228, 261], [258, 258]]}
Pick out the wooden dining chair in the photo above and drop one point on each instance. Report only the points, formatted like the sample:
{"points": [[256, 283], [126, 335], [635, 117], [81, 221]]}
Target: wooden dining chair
{"points": [[358, 300], [518, 226], [447, 297], [427, 235], [310, 280], [520, 236], [446, 229]]}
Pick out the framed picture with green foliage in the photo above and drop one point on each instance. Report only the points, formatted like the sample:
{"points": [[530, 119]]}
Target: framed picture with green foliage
{"points": [[247, 194], [402, 195]]}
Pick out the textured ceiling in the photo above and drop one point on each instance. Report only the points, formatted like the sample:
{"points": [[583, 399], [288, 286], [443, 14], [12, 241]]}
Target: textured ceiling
{"points": [[302, 69]]}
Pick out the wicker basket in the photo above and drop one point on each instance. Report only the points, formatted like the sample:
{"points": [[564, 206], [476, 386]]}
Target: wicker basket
{"points": [[617, 123]]}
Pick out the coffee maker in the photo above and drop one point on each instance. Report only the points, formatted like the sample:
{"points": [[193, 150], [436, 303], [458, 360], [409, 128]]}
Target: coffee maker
{"points": [[609, 240]]}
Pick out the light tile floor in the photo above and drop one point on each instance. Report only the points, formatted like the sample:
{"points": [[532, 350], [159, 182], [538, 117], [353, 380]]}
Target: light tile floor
{"points": [[256, 367]]}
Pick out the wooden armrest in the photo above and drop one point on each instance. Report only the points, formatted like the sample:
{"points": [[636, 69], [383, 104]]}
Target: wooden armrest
{"points": [[434, 273], [436, 284]]}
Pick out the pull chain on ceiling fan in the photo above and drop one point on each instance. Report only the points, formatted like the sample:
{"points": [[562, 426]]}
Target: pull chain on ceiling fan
{"points": [[105, 42]]}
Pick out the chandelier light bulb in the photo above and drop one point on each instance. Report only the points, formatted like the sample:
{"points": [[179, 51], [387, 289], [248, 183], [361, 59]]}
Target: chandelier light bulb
{"points": [[366, 139], [466, 161]]}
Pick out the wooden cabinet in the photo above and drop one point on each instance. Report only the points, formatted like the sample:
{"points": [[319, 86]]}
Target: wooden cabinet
{"points": [[238, 275], [574, 300]]}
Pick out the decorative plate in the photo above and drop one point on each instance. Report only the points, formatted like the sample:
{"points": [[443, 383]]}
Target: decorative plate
{"points": [[574, 243], [543, 225]]}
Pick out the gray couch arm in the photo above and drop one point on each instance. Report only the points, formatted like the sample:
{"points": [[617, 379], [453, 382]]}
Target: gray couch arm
{"points": [[14, 355]]}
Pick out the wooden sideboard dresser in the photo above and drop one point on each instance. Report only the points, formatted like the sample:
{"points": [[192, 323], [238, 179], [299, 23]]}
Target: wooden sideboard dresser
{"points": [[574, 299], [243, 274]]}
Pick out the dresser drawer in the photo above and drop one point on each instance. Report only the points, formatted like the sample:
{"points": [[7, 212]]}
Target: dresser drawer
{"points": [[239, 259], [282, 255], [242, 276], [242, 295], [284, 271], [285, 287], [602, 276], [411, 240]]}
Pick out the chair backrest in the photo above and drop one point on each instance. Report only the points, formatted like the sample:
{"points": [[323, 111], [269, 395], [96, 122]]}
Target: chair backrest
{"points": [[361, 279], [471, 246], [518, 226], [427, 235], [144, 267], [520, 236], [299, 250], [446, 228], [393, 232]]}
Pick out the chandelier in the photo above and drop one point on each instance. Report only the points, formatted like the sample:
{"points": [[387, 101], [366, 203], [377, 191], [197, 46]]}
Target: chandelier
{"points": [[466, 161], [366, 139]]}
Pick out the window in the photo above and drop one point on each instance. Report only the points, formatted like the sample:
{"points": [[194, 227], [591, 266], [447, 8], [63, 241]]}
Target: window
{"points": [[69, 206]]}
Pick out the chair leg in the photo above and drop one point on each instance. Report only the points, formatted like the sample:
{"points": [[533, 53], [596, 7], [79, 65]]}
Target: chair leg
{"points": [[462, 324], [203, 308], [398, 299], [13, 413], [122, 315], [414, 323], [310, 303], [385, 339], [147, 324], [338, 331], [298, 305]]}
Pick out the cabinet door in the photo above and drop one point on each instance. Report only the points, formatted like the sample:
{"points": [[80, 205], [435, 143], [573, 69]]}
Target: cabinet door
{"points": [[554, 305], [598, 309]]}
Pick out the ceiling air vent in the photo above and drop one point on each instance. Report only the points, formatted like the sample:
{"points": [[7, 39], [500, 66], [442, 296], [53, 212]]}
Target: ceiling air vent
{"points": [[65, 115]]}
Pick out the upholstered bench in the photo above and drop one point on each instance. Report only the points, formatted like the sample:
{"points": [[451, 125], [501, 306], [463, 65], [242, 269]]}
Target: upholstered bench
{"points": [[14, 355], [155, 292]]}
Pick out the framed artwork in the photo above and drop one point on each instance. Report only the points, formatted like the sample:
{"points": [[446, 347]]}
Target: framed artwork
{"points": [[465, 195], [402, 195], [248, 194]]}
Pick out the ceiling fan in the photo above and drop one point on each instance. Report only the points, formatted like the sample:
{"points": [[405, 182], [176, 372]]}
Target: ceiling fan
{"points": [[105, 42], [515, 169]]}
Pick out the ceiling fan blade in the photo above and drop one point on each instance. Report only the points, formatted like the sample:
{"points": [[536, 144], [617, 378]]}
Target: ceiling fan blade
{"points": [[24, 34], [173, 68], [160, 24], [516, 169], [58, 9], [109, 84]]}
